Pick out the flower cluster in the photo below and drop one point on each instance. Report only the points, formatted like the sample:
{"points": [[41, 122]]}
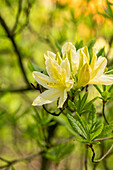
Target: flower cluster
{"points": [[73, 68]]}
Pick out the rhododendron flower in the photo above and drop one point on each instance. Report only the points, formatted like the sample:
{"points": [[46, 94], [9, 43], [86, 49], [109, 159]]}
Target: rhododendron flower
{"points": [[92, 73], [57, 83], [68, 51]]}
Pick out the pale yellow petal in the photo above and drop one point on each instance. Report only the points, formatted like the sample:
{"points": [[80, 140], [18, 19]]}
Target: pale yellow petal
{"points": [[65, 65], [58, 58], [82, 60], [42, 79], [51, 54], [93, 61], [68, 46], [54, 70], [62, 99], [85, 50], [101, 63], [103, 79], [84, 75], [47, 97]]}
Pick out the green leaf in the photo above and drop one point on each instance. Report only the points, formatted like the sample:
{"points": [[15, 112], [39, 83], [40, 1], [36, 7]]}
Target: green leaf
{"points": [[90, 46], [97, 89], [104, 15], [79, 118], [34, 67], [61, 6], [101, 52], [83, 100], [109, 9], [58, 45], [80, 139], [77, 125], [58, 152], [92, 116], [13, 168], [97, 131], [72, 105], [106, 130], [79, 45], [73, 15], [90, 103]]}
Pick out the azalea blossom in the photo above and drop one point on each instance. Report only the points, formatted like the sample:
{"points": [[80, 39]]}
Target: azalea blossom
{"points": [[57, 82], [68, 51], [92, 73]]}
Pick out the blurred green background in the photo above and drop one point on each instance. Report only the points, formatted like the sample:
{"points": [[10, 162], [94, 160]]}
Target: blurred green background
{"points": [[28, 28]]}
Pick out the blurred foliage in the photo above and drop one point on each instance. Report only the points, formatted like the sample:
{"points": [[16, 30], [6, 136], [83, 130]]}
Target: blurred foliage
{"points": [[37, 26]]}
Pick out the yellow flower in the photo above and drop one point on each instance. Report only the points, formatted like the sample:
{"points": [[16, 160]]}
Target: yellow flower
{"points": [[68, 51], [57, 83], [92, 73]]}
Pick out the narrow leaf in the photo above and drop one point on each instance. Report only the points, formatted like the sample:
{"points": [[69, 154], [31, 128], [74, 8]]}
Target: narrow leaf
{"points": [[72, 105], [77, 126], [84, 98], [92, 116], [107, 130]]}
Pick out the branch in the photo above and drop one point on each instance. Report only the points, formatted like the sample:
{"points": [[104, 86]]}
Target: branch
{"points": [[17, 16], [10, 36], [86, 156], [65, 140], [102, 139], [52, 113], [27, 12], [103, 112], [26, 158], [107, 153], [16, 90], [46, 40]]}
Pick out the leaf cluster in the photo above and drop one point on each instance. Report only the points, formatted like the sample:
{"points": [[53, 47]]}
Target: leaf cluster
{"points": [[88, 130], [108, 11], [80, 105]]}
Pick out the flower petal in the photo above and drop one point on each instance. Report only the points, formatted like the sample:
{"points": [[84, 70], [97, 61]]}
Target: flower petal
{"points": [[51, 54], [65, 65], [66, 47], [47, 97], [82, 59], [58, 58], [85, 50], [100, 67], [84, 75], [103, 79], [54, 70], [93, 61], [62, 99], [42, 79]]}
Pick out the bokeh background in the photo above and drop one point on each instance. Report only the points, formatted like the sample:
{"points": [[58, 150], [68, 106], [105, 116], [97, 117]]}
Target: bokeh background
{"points": [[28, 28]]}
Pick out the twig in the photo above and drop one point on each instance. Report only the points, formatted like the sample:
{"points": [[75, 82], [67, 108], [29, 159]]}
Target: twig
{"points": [[102, 139], [15, 90], [103, 111], [102, 148], [96, 161], [86, 155], [17, 16], [53, 113], [38, 87], [27, 18], [65, 140], [10, 36], [46, 40], [26, 158]]}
